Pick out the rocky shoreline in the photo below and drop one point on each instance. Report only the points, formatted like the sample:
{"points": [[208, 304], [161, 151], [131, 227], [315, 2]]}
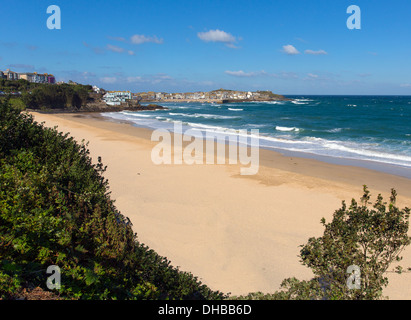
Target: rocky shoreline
{"points": [[102, 107], [221, 101]]}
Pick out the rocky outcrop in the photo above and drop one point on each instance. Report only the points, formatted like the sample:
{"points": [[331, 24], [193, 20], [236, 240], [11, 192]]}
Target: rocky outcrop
{"points": [[103, 107]]}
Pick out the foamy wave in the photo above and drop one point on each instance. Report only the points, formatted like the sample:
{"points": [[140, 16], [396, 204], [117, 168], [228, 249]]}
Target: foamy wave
{"points": [[275, 102], [178, 114], [304, 100], [374, 155], [202, 115], [334, 130], [253, 125], [285, 138], [214, 116], [135, 114], [278, 128], [204, 126]]}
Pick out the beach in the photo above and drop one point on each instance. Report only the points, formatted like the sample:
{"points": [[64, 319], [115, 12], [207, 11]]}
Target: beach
{"points": [[238, 234]]}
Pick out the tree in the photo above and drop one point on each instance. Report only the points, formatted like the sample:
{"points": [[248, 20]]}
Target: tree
{"points": [[369, 238], [359, 238]]}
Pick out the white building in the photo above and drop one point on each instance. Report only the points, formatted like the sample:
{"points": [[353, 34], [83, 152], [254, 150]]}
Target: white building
{"points": [[115, 98], [96, 89], [10, 75], [160, 95], [30, 77]]}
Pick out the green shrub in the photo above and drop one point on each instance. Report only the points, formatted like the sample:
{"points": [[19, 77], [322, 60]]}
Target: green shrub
{"points": [[369, 238], [55, 209]]}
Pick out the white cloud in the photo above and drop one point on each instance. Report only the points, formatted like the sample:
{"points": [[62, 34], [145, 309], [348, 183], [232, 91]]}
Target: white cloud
{"points": [[301, 39], [207, 83], [96, 50], [108, 79], [121, 39], [322, 77], [406, 85], [134, 79], [231, 45], [280, 75], [218, 36], [77, 76], [241, 73], [120, 50], [87, 75], [285, 75], [140, 39], [290, 50], [151, 79], [318, 52], [21, 66], [114, 48], [163, 76]]}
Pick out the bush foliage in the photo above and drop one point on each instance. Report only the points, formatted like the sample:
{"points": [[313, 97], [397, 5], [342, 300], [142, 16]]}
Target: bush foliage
{"points": [[55, 209], [47, 96], [369, 238], [56, 96]]}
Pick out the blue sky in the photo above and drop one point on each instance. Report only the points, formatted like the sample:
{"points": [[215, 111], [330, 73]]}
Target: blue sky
{"points": [[289, 47]]}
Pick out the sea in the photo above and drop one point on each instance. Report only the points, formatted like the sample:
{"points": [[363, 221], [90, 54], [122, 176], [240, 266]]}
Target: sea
{"points": [[367, 131]]}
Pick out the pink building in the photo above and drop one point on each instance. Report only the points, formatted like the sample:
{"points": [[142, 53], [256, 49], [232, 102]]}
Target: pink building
{"points": [[51, 79]]}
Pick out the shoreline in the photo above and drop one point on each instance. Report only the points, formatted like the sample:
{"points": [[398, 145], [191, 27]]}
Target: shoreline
{"points": [[98, 108], [380, 166], [218, 101], [210, 220], [392, 169]]}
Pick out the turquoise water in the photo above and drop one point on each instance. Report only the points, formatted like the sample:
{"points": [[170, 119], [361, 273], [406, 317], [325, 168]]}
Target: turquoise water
{"points": [[372, 128]]}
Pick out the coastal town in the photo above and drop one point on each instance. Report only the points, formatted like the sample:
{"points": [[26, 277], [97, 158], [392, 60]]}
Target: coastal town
{"points": [[118, 98], [29, 76], [215, 96]]}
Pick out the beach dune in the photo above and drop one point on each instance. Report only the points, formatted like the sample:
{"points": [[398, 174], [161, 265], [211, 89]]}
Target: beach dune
{"points": [[238, 234]]}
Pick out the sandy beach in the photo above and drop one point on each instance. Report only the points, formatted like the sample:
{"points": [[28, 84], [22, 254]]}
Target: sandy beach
{"points": [[238, 234]]}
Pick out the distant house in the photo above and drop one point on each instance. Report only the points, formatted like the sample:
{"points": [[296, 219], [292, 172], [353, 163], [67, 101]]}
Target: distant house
{"points": [[179, 96], [196, 95], [38, 77], [96, 89], [51, 79], [27, 76], [115, 98], [10, 75], [41, 78]]}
